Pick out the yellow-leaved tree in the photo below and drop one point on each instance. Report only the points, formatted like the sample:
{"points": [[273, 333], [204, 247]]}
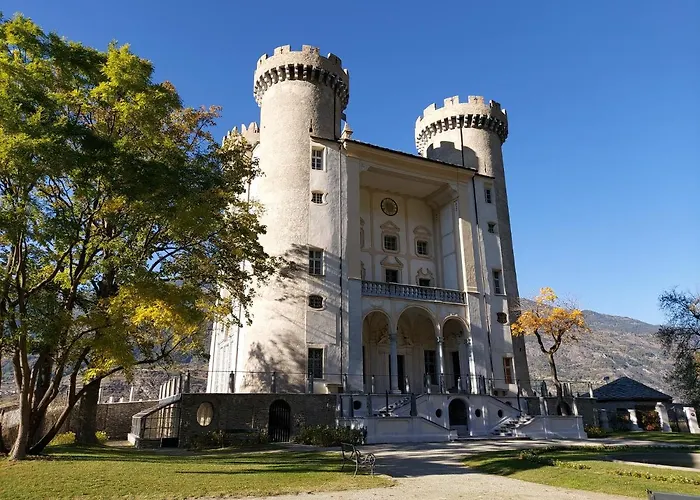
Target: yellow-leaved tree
{"points": [[553, 322]]}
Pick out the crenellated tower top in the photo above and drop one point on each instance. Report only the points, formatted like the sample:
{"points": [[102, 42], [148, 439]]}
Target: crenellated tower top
{"points": [[251, 134], [307, 65], [475, 113]]}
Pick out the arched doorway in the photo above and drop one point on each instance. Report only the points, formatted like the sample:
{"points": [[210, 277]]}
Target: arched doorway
{"points": [[459, 416], [418, 351], [280, 422], [375, 346]]}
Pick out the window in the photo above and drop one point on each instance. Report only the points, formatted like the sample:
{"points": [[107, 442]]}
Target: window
{"points": [[315, 367], [315, 301], [317, 159], [422, 247], [497, 284], [316, 197], [430, 366], [391, 275], [508, 370], [423, 281], [391, 243], [492, 227], [488, 195], [316, 262], [502, 318]]}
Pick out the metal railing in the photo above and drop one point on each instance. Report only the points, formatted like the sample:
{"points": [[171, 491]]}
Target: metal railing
{"points": [[411, 292]]}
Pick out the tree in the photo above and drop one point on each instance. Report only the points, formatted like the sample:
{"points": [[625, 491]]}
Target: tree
{"points": [[120, 220], [552, 323], [680, 337]]}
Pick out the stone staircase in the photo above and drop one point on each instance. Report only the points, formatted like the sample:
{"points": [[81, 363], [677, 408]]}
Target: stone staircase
{"points": [[508, 425], [390, 410]]}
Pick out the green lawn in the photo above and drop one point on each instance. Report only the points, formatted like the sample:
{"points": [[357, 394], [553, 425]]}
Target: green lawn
{"points": [[662, 437], [600, 475], [127, 473]]}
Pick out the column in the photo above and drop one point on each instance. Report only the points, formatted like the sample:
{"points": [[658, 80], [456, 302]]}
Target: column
{"points": [[393, 364], [663, 417], [464, 348], [633, 420], [692, 419], [441, 363]]}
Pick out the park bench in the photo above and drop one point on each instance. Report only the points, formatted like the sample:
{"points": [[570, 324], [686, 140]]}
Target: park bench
{"points": [[351, 454], [657, 495]]}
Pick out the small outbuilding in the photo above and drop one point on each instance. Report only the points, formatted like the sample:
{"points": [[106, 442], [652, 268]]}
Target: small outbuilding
{"points": [[630, 405]]}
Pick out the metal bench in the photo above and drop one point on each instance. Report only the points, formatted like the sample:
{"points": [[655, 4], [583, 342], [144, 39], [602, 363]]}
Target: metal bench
{"points": [[351, 454]]}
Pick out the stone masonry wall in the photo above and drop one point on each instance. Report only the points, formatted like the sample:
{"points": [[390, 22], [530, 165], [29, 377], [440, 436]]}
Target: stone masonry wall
{"points": [[235, 412]]}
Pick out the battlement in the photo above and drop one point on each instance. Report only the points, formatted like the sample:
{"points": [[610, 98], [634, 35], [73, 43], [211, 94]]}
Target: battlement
{"points": [[474, 113], [251, 134], [307, 64]]}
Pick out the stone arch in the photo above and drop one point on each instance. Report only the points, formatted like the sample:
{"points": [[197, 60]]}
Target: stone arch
{"points": [[280, 421], [458, 416], [430, 314], [456, 317]]}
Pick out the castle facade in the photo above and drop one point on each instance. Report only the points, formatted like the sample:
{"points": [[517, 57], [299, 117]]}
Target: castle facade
{"points": [[399, 273]]}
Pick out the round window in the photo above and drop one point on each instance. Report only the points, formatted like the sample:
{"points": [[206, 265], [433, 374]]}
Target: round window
{"points": [[477, 412], [356, 405], [438, 413], [500, 413], [205, 413]]}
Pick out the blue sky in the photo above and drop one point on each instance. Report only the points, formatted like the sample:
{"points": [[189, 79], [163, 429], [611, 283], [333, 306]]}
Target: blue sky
{"points": [[603, 99]]}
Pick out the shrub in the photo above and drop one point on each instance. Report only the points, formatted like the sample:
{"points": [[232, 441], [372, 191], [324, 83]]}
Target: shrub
{"points": [[102, 437], [649, 420], [63, 439], [225, 439], [323, 435], [594, 432]]}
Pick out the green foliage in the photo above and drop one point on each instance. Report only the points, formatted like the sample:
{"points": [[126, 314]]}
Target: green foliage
{"points": [[536, 457], [680, 337], [666, 478], [322, 435], [594, 432], [68, 438], [121, 218], [63, 439], [227, 439], [648, 420]]}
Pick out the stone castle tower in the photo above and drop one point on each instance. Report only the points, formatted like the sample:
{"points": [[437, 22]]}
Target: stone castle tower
{"points": [[471, 134], [314, 191]]}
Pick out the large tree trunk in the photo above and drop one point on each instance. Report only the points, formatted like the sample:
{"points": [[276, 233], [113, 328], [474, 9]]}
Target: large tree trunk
{"points": [[19, 448], [561, 404], [87, 415]]}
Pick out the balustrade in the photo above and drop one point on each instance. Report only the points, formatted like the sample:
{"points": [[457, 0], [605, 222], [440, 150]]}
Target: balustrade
{"points": [[411, 292]]}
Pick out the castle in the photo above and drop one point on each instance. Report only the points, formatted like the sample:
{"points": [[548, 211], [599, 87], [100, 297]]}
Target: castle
{"points": [[399, 272]]}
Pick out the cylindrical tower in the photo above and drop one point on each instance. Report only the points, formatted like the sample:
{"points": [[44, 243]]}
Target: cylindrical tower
{"points": [[302, 96], [471, 134]]}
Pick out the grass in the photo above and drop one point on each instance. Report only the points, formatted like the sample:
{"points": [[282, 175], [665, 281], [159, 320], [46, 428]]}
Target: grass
{"points": [[107, 472], [601, 475], [661, 437]]}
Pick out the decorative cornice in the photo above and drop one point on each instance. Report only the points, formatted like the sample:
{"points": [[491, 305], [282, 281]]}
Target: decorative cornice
{"points": [[474, 113], [306, 65]]}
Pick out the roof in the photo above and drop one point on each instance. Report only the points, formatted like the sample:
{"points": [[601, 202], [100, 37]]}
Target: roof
{"points": [[417, 157], [403, 154], [625, 388]]}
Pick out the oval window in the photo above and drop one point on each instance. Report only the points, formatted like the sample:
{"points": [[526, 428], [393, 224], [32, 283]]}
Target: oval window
{"points": [[356, 405], [205, 413], [477, 412], [500, 413], [438, 413]]}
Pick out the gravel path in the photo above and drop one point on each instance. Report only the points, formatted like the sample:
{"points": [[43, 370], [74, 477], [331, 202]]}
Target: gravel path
{"points": [[434, 472]]}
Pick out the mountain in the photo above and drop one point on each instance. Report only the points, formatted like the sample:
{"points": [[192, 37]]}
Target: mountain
{"points": [[616, 346]]}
